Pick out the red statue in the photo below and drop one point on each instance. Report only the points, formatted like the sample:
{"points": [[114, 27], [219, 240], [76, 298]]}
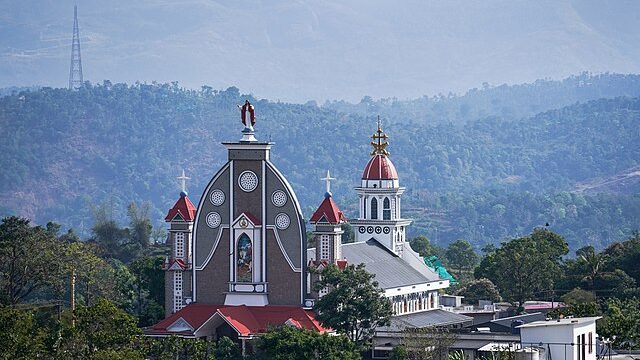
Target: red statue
{"points": [[247, 107]]}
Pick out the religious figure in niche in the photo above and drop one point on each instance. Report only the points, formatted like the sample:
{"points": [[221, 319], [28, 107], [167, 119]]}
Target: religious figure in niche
{"points": [[244, 262]]}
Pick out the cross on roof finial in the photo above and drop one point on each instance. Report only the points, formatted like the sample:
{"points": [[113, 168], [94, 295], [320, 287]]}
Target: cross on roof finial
{"points": [[379, 142], [183, 181], [328, 179]]}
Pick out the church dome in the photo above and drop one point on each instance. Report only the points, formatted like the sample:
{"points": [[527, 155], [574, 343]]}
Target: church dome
{"points": [[380, 167]]}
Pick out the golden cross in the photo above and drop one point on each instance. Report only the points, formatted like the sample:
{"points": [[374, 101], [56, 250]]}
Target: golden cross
{"points": [[379, 147]]}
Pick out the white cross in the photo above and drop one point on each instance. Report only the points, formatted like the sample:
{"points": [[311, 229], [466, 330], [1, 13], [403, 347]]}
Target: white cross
{"points": [[328, 180], [183, 180]]}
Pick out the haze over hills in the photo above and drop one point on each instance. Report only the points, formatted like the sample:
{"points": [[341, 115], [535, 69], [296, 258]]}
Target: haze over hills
{"points": [[483, 174], [296, 51]]}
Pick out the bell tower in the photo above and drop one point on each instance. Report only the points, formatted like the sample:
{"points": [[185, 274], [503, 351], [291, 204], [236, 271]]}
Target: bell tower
{"points": [[379, 195]]}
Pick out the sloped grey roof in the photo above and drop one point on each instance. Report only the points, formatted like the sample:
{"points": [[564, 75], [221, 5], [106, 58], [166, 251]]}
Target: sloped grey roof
{"points": [[391, 271], [526, 318], [437, 317]]}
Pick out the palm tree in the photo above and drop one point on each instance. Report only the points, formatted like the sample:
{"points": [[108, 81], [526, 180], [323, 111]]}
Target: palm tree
{"points": [[593, 263]]}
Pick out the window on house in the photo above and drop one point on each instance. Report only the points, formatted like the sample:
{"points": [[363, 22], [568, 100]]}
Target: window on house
{"points": [[386, 209], [374, 208], [179, 245], [590, 342], [584, 346]]}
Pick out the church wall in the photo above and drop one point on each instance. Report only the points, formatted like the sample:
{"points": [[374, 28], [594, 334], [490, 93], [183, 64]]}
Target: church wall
{"points": [[212, 281], [247, 201], [168, 293], [207, 236], [284, 283], [289, 237]]}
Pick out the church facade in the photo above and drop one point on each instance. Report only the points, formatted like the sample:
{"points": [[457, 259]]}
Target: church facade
{"points": [[239, 261]]}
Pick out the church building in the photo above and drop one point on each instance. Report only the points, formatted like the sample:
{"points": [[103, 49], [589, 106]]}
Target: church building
{"points": [[239, 260]]}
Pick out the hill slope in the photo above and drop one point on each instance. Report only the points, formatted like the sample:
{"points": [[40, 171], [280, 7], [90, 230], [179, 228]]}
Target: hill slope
{"points": [[70, 151]]}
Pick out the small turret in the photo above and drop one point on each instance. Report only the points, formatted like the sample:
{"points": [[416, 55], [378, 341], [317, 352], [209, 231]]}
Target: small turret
{"points": [[180, 218]]}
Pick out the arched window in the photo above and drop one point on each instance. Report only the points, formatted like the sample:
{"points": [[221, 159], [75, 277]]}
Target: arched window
{"points": [[386, 209], [374, 208], [244, 260]]}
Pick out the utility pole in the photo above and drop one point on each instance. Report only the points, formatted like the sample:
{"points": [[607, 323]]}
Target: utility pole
{"points": [[75, 71], [73, 297]]}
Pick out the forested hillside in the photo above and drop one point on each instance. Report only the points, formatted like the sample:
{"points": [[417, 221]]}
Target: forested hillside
{"points": [[480, 166]]}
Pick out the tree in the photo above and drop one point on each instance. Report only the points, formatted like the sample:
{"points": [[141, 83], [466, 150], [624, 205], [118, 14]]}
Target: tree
{"points": [[99, 330], [481, 289], [149, 287], [355, 305], [593, 263], [526, 266], [460, 255], [578, 296], [30, 260], [286, 342], [348, 236], [139, 224], [21, 338], [427, 343], [622, 321], [422, 246], [226, 349]]}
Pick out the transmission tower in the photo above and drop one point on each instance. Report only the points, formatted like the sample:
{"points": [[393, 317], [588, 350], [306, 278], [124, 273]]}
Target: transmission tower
{"points": [[75, 71]]}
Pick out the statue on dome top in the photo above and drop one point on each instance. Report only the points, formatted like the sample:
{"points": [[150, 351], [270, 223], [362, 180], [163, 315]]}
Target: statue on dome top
{"points": [[247, 108]]}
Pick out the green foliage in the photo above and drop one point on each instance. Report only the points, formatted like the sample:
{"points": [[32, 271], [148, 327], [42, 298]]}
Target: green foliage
{"points": [[226, 349], [481, 289], [30, 260], [422, 246], [348, 236], [622, 320], [399, 353], [469, 173], [355, 305], [20, 337], [525, 267], [149, 288], [176, 348], [461, 256], [103, 327], [288, 343], [578, 296], [427, 343]]}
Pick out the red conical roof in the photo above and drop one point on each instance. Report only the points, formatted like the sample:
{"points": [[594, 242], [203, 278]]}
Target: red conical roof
{"points": [[329, 211], [380, 168], [184, 208]]}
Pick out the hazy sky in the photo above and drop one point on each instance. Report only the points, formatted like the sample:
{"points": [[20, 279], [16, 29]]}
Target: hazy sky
{"points": [[301, 50]]}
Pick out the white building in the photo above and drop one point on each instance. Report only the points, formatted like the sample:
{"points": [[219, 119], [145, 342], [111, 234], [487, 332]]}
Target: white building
{"points": [[562, 339]]}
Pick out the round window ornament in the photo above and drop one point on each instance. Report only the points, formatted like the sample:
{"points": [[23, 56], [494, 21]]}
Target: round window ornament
{"points": [[217, 197], [370, 229], [213, 220], [378, 229], [282, 221], [248, 181], [279, 198], [386, 230], [362, 229]]}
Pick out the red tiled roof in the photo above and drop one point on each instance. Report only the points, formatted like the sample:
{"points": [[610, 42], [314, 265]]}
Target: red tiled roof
{"points": [[342, 264], [194, 314], [184, 207], [380, 168], [329, 210], [246, 320]]}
